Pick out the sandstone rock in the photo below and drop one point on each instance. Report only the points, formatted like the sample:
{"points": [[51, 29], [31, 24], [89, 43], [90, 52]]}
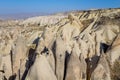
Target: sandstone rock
{"points": [[73, 67], [102, 71], [114, 54], [51, 59], [60, 58], [41, 70], [68, 46], [7, 66], [19, 54]]}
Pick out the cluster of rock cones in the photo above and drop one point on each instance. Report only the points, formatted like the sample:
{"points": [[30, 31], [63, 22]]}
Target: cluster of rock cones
{"points": [[82, 45]]}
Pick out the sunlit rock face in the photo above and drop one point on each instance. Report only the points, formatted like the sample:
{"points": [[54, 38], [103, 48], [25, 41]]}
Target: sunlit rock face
{"points": [[79, 45], [43, 20]]}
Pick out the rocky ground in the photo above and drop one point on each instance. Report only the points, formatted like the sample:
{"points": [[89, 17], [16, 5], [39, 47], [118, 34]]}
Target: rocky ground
{"points": [[81, 45]]}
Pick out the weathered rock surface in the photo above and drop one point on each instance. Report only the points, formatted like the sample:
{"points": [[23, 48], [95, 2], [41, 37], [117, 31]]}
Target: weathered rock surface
{"points": [[81, 45]]}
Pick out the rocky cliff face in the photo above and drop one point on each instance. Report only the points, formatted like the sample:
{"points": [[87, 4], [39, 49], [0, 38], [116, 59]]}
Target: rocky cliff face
{"points": [[82, 45]]}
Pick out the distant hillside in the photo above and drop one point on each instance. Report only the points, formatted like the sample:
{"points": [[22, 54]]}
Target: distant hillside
{"points": [[20, 15]]}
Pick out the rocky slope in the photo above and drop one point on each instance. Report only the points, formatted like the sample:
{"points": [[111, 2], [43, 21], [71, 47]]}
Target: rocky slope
{"points": [[81, 45]]}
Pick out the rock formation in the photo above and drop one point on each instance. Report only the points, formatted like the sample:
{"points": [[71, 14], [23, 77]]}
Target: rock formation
{"points": [[79, 45]]}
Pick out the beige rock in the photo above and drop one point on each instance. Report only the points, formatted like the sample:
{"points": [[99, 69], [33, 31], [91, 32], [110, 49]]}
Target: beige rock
{"points": [[102, 71], [60, 58], [58, 36], [41, 70], [114, 52], [51, 59], [73, 67], [19, 54], [6, 66]]}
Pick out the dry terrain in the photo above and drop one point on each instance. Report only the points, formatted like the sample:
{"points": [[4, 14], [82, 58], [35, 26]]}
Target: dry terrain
{"points": [[79, 45]]}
